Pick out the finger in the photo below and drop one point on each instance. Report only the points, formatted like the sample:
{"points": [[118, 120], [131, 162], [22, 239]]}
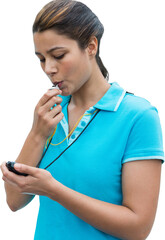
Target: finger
{"points": [[49, 105], [8, 181], [16, 181], [58, 100], [58, 118], [22, 168], [3, 167], [54, 100], [54, 111], [9, 176], [49, 94]]}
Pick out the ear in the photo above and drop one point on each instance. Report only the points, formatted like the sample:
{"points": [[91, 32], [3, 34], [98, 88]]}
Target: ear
{"points": [[92, 46]]}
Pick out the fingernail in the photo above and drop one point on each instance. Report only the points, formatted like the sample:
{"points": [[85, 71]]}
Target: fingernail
{"points": [[17, 165]]}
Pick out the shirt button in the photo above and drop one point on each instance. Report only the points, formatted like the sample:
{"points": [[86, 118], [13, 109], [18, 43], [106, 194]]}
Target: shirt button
{"points": [[73, 136], [83, 124]]}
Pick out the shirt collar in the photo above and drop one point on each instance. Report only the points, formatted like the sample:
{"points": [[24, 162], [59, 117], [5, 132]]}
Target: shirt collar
{"points": [[109, 102], [112, 98]]}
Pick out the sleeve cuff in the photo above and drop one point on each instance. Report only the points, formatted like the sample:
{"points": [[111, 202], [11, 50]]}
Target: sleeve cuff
{"points": [[144, 156]]}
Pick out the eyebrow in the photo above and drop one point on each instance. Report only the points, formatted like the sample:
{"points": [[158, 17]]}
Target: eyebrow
{"points": [[50, 50]]}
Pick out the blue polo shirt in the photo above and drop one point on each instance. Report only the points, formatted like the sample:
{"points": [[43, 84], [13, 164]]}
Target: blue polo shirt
{"points": [[126, 128]]}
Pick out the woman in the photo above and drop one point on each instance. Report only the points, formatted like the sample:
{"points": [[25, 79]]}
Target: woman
{"points": [[95, 151]]}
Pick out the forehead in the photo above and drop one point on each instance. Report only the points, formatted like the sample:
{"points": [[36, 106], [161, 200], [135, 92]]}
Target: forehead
{"points": [[47, 39]]}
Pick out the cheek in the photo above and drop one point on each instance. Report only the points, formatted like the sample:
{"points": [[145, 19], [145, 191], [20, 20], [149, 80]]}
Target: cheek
{"points": [[76, 68], [68, 68]]}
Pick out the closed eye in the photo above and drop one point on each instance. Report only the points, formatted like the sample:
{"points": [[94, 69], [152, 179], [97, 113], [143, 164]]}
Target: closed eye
{"points": [[42, 60], [56, 57], [60, 57]]}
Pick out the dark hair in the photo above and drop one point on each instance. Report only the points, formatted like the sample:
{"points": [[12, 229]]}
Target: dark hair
{"points": [[73, 19]]}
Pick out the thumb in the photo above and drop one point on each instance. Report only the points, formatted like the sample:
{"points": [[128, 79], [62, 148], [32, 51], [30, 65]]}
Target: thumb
{"points": [[22, 168]]}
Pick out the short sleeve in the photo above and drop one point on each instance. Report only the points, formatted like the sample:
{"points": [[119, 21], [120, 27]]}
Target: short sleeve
{"points": [[145, 140]]}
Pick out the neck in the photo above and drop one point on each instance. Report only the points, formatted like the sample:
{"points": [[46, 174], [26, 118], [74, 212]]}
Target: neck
{"points": [[91, 92]]}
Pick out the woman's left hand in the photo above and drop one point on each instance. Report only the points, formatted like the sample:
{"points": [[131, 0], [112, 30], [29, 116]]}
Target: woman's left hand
{"points": [[38, 181]]}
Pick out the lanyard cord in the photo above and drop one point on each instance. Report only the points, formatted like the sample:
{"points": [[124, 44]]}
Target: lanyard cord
{"points": [[70, 144], [50, 138]]}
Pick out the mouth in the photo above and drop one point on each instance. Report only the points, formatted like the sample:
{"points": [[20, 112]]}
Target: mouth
{"points": [[58, 84]]}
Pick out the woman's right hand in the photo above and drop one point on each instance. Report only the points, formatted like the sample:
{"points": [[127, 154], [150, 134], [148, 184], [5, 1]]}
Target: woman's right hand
{"points": [[46, 117]]}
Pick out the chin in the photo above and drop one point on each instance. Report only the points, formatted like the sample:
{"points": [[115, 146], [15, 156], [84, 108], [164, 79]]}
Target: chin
{"points": [[65, 92]]}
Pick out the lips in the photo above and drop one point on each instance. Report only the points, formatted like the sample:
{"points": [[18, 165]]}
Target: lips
{"points": [[59, 84]]}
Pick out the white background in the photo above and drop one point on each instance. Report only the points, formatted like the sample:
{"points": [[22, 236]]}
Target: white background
{"points": [[133, 50]]}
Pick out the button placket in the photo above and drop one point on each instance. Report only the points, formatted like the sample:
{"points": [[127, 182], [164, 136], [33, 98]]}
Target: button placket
{"points": [[84, 121]]}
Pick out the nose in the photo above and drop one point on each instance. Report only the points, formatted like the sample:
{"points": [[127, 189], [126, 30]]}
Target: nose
{"points": [[50, 67]]}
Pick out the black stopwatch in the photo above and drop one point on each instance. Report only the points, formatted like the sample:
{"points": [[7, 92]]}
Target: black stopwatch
{"points": [[10, 166]]}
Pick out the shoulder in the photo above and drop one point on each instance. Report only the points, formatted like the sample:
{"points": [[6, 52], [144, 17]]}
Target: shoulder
{"points": [[145, 134], [136, 105]]}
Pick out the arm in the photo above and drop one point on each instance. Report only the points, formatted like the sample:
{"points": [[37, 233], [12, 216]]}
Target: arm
{"points": [[132, 220], [30, 155], [43, 125]]}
